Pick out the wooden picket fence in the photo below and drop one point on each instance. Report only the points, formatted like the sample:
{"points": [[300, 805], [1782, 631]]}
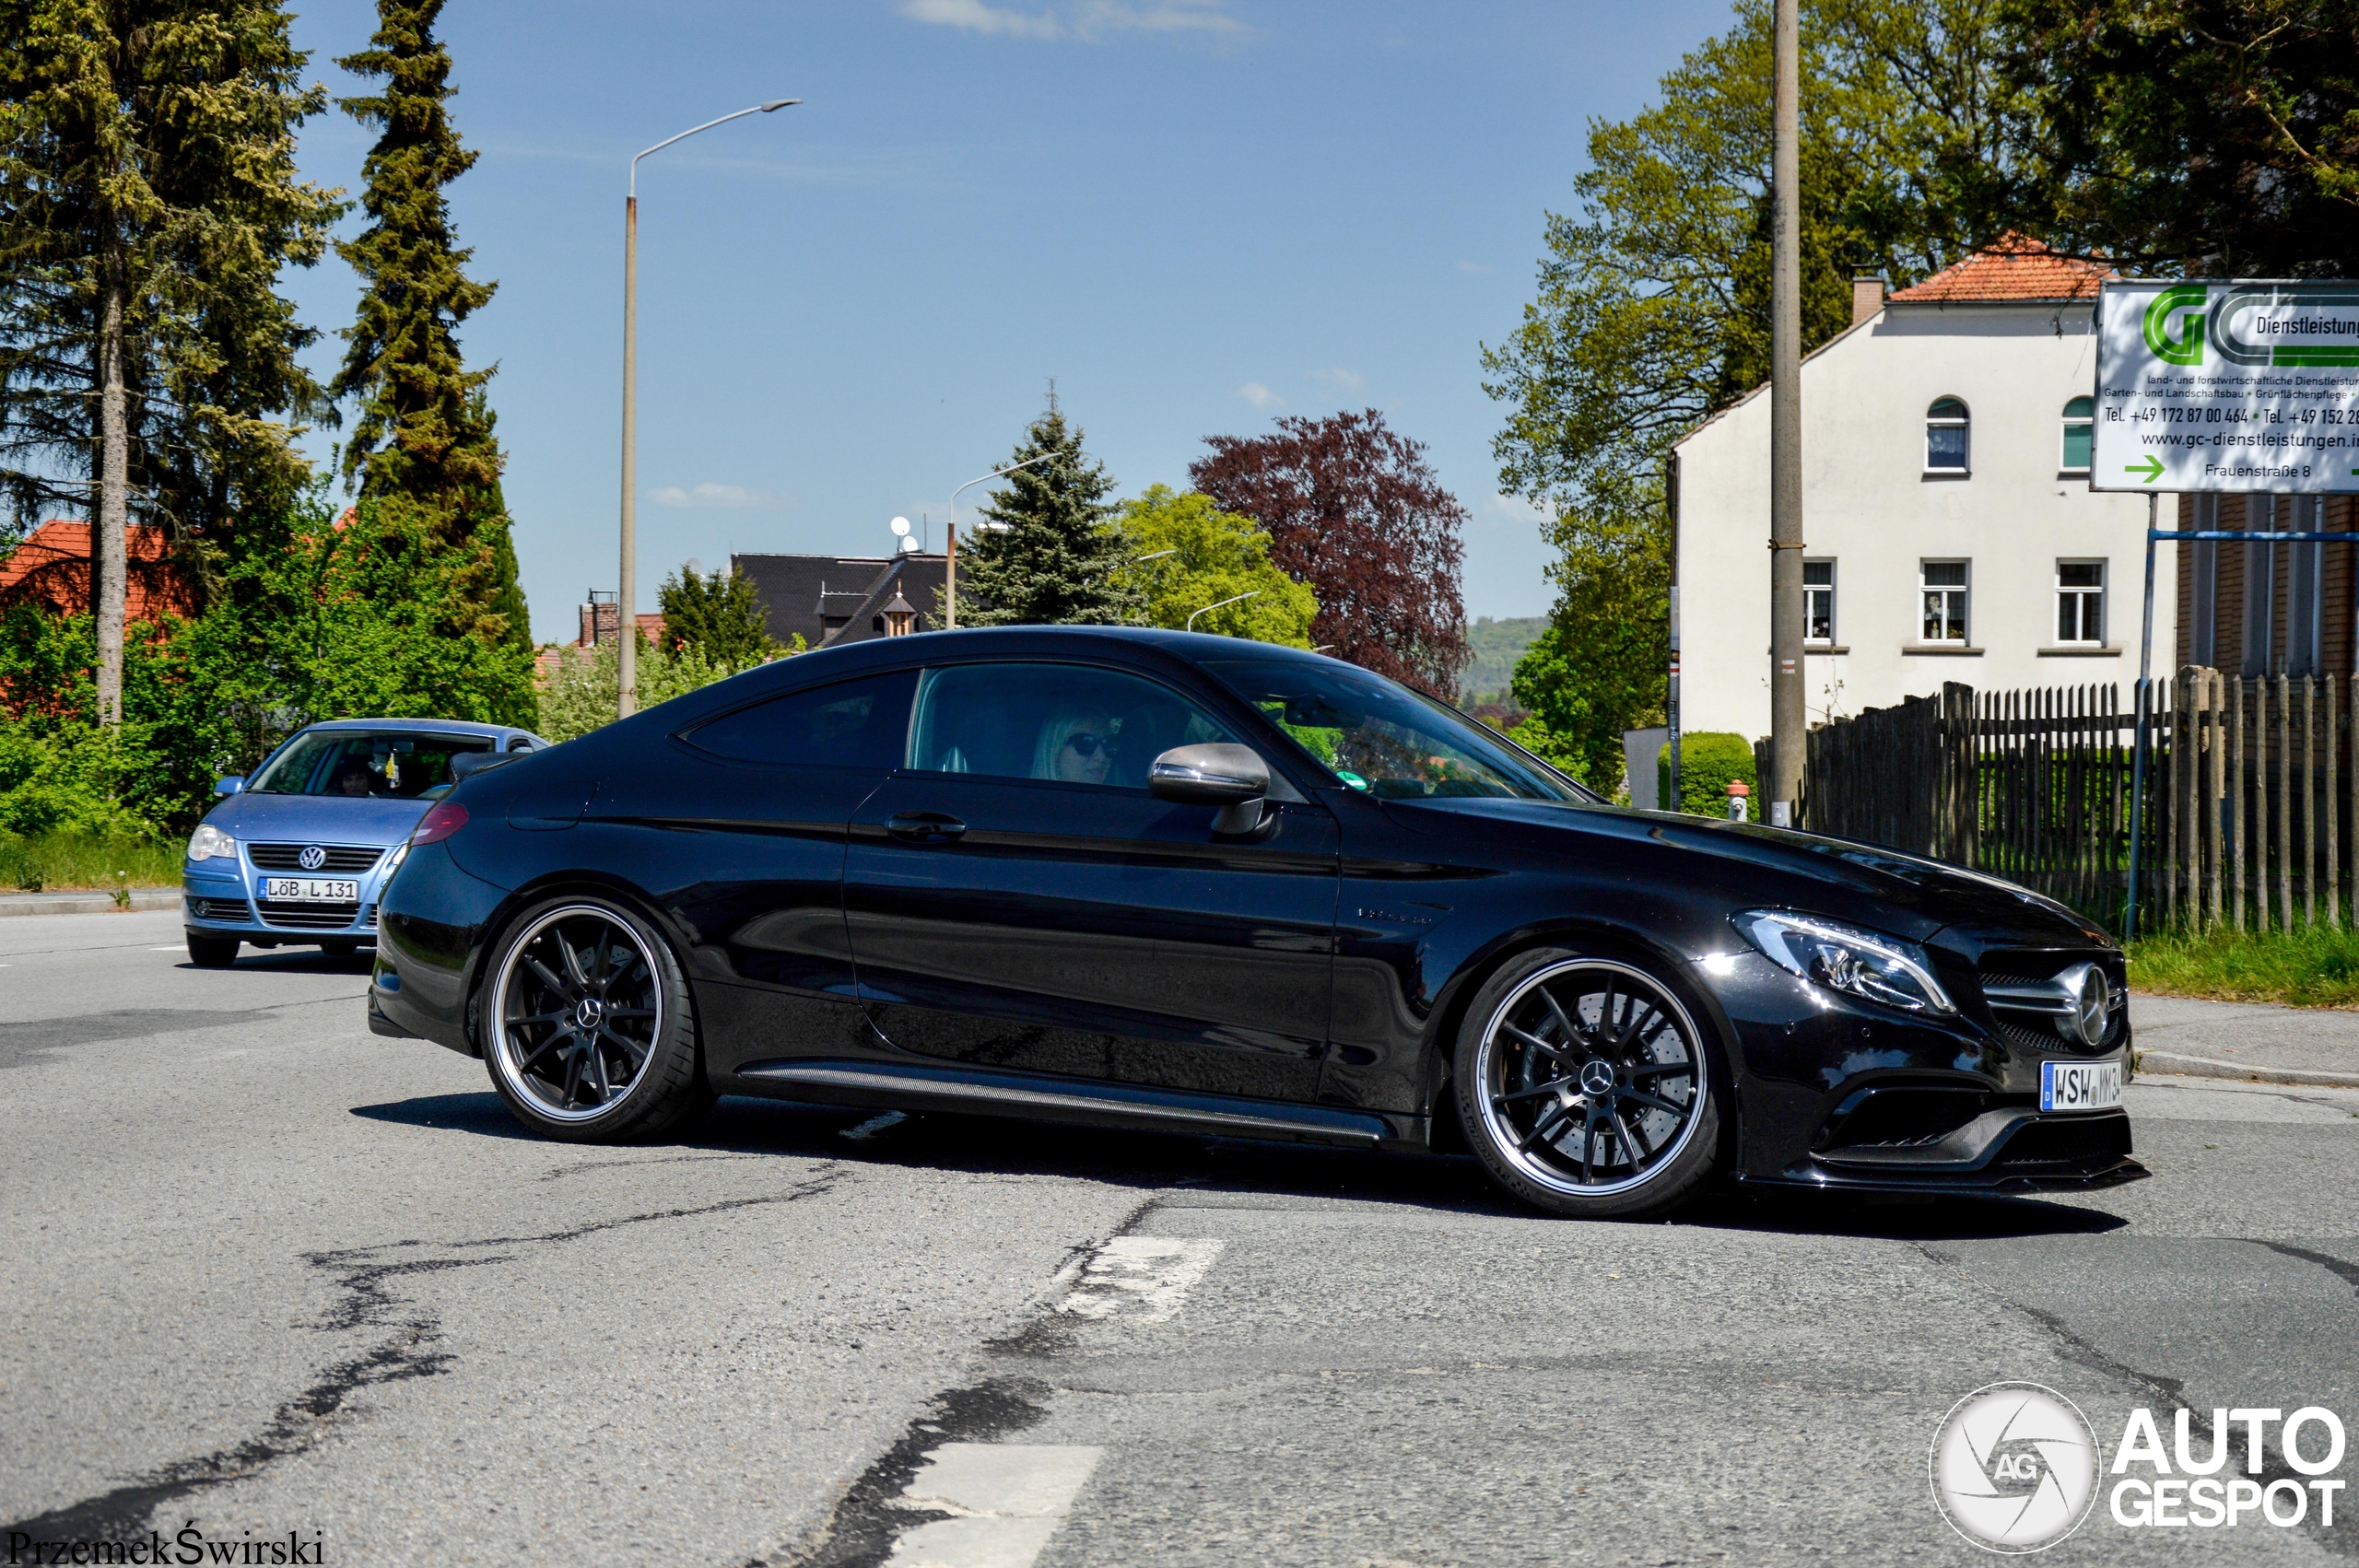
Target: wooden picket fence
{"points": [[2249, 795]]}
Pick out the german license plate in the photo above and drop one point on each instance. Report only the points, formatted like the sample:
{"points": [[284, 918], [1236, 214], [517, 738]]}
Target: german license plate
{"points": [[310, 890], [2079, 1086]]}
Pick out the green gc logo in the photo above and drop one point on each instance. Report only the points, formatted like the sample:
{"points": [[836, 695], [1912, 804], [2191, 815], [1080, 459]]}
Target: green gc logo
{"points": [[2175, 324]]}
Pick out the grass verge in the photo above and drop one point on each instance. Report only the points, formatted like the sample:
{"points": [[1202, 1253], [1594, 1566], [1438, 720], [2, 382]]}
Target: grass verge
{"points": [[57, 864], [2317, 967]]}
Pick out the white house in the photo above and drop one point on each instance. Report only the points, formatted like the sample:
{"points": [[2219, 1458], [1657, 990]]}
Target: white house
{"points": [[1951, 534]]}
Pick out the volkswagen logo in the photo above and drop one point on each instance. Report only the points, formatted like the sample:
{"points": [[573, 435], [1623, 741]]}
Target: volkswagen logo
{"points": [[312, 857], [1597, 1076], [2015, 1468]]}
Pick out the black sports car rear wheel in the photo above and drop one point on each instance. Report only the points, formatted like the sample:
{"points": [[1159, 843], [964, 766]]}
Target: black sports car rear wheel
{"points": [[587, 1026], [1584, 1087]]}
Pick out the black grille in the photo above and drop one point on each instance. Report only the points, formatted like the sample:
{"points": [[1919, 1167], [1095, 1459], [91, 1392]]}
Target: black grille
{"points": [[308, 917], [2078, 1143], [1902, 1116], [368, 917], [234, 911], [2032, 1029], [344, 858]]}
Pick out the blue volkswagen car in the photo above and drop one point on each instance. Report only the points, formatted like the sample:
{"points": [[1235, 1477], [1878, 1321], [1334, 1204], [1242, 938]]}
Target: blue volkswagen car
{"points": [[294, 857]]}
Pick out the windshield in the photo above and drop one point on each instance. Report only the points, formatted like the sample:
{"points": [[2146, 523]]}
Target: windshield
{"points": [[1380, 736], [364, 765]]}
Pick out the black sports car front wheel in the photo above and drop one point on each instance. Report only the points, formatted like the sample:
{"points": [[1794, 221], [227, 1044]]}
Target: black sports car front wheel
{"points": [[1584, 1088], [586, 1025]]}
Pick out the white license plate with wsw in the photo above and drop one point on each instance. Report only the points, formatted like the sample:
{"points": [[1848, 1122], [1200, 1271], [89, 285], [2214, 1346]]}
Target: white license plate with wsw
{"points": [[310, 890], [2079, 1086]]}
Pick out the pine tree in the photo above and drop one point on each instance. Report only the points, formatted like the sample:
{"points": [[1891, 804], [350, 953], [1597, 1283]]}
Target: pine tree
{"points": [[1054, 559], [147, 203], [424, 433], [718, 615]]}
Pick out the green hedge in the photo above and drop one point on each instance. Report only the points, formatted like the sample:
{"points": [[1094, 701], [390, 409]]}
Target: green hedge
{"points": [[1707, 761]]}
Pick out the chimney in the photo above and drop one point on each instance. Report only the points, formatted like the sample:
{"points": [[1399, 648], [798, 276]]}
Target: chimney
{"points": [[1867, 296]]}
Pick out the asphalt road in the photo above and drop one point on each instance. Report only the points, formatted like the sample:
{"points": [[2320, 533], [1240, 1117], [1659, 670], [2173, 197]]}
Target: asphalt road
{"points": [[270, 1274]]}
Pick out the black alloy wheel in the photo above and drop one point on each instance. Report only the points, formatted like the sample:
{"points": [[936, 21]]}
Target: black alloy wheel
{"points": [[587, 1026], [1584, 1087]]}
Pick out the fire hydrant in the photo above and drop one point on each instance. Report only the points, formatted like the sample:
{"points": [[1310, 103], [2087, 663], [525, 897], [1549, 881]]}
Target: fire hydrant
{"points": [[1737, 793]]}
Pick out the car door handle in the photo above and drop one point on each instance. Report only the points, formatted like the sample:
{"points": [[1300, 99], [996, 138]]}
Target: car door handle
{"points": [[924, 827]]}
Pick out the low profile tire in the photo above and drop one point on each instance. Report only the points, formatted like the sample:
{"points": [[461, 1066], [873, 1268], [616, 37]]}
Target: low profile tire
{"points": [[587, 1026], [212, 951], [1585, 1087]]}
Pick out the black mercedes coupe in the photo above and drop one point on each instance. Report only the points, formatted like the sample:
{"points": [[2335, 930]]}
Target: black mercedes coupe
{"points": [[1145, 879]]}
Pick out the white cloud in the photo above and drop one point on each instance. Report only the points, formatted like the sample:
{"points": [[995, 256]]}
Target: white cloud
{"points": [[1516, 509], [1261, 396], [720, 497], [1088, 20], [1341, 378]]}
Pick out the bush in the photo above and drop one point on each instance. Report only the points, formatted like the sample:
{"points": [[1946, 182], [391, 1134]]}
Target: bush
{"points": [[1709, 760], [581, 693]]}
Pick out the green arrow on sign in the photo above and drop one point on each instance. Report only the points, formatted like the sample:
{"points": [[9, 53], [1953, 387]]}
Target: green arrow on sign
{"points": [[2150, 471]]}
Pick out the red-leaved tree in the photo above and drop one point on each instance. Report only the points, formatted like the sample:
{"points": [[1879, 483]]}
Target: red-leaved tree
{"points": [[1353, 510]]}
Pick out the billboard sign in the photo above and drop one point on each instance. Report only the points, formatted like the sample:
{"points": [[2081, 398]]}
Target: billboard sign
{"points": [[2209, 386]]}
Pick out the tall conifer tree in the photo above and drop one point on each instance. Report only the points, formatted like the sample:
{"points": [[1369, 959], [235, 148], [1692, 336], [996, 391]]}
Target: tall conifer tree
{"points": [[1052, 559], [424, 431], [148, 201]]}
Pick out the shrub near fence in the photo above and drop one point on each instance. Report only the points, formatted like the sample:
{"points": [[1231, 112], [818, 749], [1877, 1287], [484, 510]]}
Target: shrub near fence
{"points": [[2249, 795]]}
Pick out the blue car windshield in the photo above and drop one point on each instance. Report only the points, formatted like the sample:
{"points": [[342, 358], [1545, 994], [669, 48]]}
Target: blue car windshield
{"points": [[1380, 736], [362, 764]]}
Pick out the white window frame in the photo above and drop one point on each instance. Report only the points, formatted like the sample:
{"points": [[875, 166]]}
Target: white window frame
{"points": [[1834, 605], [2064, 465], [1966, 469], [1964, 592], [2102, 591]]}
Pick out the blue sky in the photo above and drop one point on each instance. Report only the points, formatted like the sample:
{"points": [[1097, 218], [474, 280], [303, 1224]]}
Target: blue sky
{"points": [[1195, 214]]}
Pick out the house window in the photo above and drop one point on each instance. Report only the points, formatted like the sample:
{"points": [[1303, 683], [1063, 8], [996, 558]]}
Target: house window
{"points": [[2080, 431], [1941, 587], [1818, 602], [1946, 427], [2079, 601]]}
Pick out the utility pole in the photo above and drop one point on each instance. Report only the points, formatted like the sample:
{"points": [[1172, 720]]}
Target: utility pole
{"points": [[1786, 711], [627, 593]]}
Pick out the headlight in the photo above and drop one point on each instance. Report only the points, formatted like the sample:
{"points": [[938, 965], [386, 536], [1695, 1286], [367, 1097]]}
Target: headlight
{"points": [[1858, 962], [395, 863], [209, 843]]}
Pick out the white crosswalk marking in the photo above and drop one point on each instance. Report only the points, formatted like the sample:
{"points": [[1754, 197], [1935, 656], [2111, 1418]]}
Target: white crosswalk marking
{"points": [[1139, 1278], [1005, 1500]]}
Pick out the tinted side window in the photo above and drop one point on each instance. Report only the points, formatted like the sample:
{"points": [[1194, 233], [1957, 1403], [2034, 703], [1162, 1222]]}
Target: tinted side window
{"points": [[859, 723], [1066, 723]]}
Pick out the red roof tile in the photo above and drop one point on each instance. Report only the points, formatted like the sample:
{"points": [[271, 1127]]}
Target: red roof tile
{"points": [[2013, 267], [51, 569]]}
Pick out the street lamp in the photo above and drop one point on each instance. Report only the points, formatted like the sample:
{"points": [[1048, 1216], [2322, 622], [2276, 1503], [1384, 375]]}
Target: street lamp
{"points": [[950, 538], [1210, 608], [627, 597]]}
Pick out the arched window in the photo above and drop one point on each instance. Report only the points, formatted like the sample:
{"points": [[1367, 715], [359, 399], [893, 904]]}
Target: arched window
{"points": [[2080, 433], [1945, 437]]}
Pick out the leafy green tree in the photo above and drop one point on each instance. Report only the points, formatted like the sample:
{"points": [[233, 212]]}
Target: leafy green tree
{"points": [[1047, 554], [719, 616], [425, 427], [1203, 557], [148, 202], [1653, 304], [2197, 137], [582, 692]]}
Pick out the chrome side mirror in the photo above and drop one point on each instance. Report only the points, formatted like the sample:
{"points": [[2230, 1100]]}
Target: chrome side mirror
{"points": [[1231, 777]]}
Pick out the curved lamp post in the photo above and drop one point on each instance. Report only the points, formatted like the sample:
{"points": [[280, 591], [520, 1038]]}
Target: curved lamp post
{"points": [[626, 599], [950, 539], [1210, 608]]}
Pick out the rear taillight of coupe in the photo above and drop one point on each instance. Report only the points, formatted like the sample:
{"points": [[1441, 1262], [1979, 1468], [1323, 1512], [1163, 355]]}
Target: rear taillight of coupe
{"points": [[446, 818]]}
